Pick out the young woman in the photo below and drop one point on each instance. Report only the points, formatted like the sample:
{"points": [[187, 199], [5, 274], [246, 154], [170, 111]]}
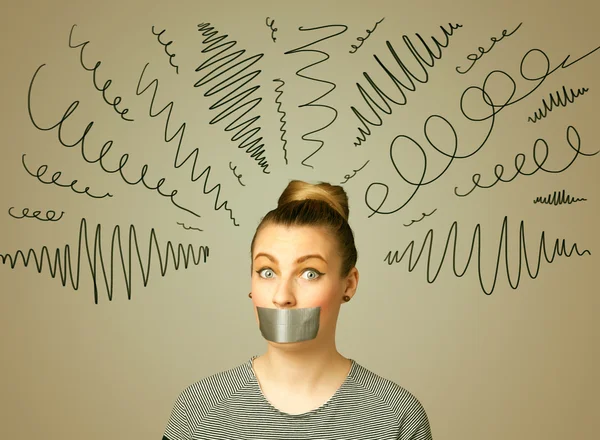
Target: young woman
{"points": [[303, 270]]}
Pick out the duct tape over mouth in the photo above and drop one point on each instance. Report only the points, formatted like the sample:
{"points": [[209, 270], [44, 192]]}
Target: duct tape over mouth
{"points": [[288, 325]]}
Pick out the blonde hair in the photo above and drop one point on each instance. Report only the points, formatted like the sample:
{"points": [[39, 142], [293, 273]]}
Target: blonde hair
{"points": [[321, 205]]}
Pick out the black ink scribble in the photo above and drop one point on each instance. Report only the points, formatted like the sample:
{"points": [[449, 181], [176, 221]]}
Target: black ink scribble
{"points": [[559, 249], [42, 170], [558, 198], [50, 215], [283, 116], [106, 85], [348, 176], [181, 133], [363, 39], [189, 227], [239, 176], [166, 46], [103, 151], [122, 254], [313, 103], [226, 74], [424, 215], [271, 25], [473, 57], [410, 86], [558, 101], [574, 142], [377, 193]]}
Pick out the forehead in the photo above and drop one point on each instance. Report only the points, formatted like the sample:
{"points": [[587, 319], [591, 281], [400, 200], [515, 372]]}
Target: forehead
{"points": [[292, 242]]}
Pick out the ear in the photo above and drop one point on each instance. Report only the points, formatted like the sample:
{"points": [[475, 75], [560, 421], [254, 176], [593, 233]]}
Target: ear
{"points": [[351, 282]]}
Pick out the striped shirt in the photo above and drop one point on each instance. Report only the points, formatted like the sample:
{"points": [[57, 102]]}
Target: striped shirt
{"points": [[230, 405]]}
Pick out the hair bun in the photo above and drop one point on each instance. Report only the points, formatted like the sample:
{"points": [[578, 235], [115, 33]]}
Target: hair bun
{"points": [[333, 195]]}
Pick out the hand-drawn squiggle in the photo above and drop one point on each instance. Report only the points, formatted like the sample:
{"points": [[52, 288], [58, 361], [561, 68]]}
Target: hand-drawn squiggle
{"points": [[271, 26], [363, 39], [233, 102], [558, 198], [188, 227], [50, 215], [348, 176], [427, 60], [520, 162], [239, 176], [559, 249], [103, 151], [283, 115], [181, 132], [424, 215], [61, 262], [301, 49], [480, 92], [106, 85], [166, 46], [42, 170], [542, 112]]}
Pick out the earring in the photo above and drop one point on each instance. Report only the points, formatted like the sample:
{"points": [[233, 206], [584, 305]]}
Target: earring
{"points": [[346, 298], [250, 295]]}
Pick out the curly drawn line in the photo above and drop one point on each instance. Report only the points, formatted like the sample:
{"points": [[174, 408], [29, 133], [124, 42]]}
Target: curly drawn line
{"points": [[227, 74], [102, 268], [189, 227], [239, 176], [410, 86], [273, 29], [103, 151], [283, 115], [559, 249], [558, 198], [363, 39], [106, 85], [166, 46], [193, 155], [543, 111], [348, 176], [520, 162], [306, 136], [42, 170], [534, 73], [50, 215], [424, 215]]}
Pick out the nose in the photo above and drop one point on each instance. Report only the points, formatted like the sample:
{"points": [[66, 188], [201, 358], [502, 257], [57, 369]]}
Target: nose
{"points": [[284, 295]]}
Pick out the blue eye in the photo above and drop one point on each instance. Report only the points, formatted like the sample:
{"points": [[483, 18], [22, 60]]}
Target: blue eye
{"points": [[266, 273], [311, 274]]}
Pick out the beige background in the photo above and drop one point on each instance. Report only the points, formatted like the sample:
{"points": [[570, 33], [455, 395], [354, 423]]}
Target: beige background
{"points": [[516, 363]]}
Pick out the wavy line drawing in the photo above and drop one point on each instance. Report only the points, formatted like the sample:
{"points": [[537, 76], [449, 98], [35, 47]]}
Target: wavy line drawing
{"points": [[166, 46], [559, 249], [283, 114], [410, 86], [102, 268], [50, 215], [42, 170], [181, 132], [348, 176], [324, 58], [226, 74], [188, 228], [556, 100], [363, 39], [239, 176], [558, 198], [271, 26], [424, 215]]}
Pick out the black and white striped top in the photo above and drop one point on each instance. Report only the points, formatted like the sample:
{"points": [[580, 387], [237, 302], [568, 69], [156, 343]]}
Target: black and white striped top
{"points": [[230, 405]]}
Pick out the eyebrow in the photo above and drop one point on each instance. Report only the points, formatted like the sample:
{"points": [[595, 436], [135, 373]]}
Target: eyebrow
{"points": [[299, 260]]}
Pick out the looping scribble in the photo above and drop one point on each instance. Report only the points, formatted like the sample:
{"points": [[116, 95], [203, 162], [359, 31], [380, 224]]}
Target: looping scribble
{"points": [[50, 215]]}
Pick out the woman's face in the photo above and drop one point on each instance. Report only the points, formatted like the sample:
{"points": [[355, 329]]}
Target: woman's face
{"points": [[300, 267]]}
